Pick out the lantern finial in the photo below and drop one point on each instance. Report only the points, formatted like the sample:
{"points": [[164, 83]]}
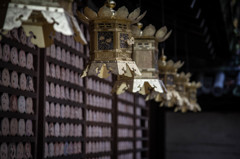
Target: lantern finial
{"points": [[111, 4], [163, 58], [140, 25]]}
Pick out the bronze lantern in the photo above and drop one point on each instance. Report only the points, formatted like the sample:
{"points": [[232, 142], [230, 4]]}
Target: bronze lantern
{"points": [[192, 95], [181, 80], [42, 18], [111, 40], [145, 54], [167, 72]]}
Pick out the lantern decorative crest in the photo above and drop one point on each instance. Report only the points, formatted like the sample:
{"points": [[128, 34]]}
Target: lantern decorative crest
{"points": [[181, 80], [111, 40], [145, 54], [167, 73], [192, 95], [42, 18]]}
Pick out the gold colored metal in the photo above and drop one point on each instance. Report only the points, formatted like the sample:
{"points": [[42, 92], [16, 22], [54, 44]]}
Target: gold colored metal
{"points": [[111, 42], [43, 18], [110, 4], [145, 54], [181, 81], [140, 25], [192, 95], [167, 73]]}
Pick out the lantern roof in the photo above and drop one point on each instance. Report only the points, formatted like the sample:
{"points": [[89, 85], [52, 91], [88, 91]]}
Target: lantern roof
{"points": [[107, 12], [194, 85], [169, 98], [149, 31], [183, 77], [169, 65], [143, 86]]}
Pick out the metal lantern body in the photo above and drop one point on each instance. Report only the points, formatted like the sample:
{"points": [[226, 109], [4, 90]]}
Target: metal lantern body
{"points": [[42, 18], [110, 42], [181, 80], [192, 95], [167, 73], [145, 54]]}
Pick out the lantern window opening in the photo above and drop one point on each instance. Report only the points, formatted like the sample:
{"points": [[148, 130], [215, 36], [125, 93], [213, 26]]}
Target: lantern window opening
{"points": [[105, 25], [122, 26]]}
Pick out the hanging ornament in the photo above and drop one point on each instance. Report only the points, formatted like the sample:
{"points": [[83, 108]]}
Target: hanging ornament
{"points": [[167, 73], [41, 18], [192, 95], [145, 54], [111, 40], [181, 81]]}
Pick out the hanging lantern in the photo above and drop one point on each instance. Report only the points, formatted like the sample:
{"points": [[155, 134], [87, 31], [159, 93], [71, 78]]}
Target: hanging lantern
{"points": [[42, 18], [181, 80], [192, 95], [167, 73], [111, 40], [145, 54]]}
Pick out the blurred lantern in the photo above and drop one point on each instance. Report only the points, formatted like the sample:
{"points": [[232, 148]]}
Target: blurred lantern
{"points": [[236, 90], [218, 87], [145, 54], [42, 18], [181, 80], [167, 73], [192, 95], [111, 40]]}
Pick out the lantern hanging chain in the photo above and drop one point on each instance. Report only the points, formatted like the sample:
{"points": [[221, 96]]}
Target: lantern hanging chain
{"points": [[175, 39], [162, 51], [162, 46], [163, 15], [163, 21], [186, 52], [107, 3], [163, 57]]}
